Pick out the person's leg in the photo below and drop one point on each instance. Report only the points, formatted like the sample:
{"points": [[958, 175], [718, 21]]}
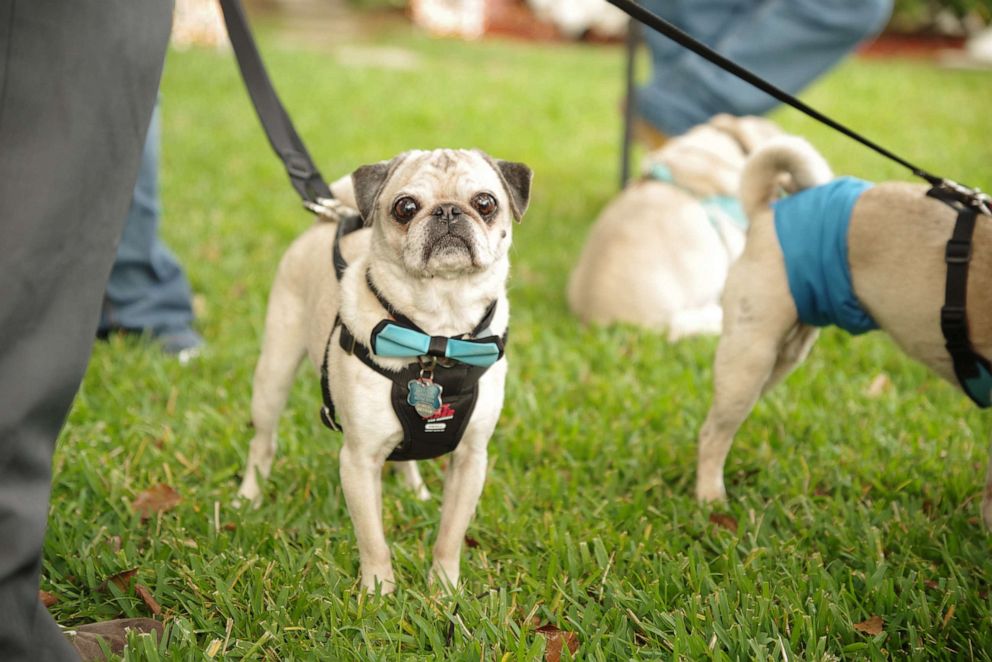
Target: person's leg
{"points": [[77, 85], [789, 42], [148, 290]]}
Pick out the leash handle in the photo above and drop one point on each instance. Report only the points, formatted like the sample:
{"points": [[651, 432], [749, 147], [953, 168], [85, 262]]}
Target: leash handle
{"points": [[682, 38], [303, 174]]}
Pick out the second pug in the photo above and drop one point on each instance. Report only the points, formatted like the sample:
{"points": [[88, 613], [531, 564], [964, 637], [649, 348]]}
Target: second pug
{"points": [[840, 252], [423, 297], [658, 254]]}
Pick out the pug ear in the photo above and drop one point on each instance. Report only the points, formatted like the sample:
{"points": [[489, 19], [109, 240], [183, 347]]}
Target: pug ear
{"points": [[368, 182], [748, 130], [516, 178]]}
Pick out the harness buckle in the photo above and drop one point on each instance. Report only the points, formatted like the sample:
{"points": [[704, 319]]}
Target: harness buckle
{"points": [[953, 317], [958, 251]]}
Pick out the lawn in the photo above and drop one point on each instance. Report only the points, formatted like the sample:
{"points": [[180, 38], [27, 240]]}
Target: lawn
{"points": [[845, 504]]}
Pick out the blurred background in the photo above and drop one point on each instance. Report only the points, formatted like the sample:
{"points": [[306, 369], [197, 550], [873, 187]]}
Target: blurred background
{"points": [[916, 26]]}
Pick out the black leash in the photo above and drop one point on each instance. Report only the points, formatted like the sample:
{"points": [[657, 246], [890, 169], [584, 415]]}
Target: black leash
{"points": [[303, 174], [973, 371]]}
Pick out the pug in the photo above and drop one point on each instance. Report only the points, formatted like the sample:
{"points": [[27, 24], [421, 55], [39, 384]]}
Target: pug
{"points": [[430, 262], [658, 254], [836, 251]]}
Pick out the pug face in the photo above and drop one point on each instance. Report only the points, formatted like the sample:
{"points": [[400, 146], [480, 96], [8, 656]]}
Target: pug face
{"points": [[444, 212]]}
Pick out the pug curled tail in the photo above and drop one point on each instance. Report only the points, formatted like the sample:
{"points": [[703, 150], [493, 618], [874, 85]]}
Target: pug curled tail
{"points": [[786, 163]]}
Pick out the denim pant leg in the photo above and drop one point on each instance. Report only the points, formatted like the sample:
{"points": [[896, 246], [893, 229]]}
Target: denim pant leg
{"points": [[147, 289], [788, 42]]}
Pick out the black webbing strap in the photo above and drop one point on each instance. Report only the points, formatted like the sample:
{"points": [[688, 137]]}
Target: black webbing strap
{"points": [[968, 364], [303, 174], [346, 225], [662, 26]]}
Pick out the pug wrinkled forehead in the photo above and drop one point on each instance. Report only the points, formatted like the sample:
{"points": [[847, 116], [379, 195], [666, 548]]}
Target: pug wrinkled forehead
{"points": [[445, 210]]}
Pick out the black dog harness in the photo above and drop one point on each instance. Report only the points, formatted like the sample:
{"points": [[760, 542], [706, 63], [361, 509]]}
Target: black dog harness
{"points": [[973, 371], [431, 426]]}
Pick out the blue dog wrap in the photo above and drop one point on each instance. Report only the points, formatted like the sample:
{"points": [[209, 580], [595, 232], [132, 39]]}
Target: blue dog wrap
{"points": [[812, 229]]}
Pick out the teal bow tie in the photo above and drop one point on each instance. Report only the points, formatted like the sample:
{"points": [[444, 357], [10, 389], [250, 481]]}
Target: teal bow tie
{"points": [[390, 339]]}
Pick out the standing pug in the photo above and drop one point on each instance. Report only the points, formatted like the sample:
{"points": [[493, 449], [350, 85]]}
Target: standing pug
{"points": [[840, 252], [408, 337]]}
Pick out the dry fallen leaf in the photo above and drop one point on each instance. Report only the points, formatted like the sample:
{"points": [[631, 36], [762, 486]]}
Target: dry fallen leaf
{"points": [[146, 597], [872, 626], [557, 639], [47, 599], [121, 579], [930, 583], [949, 615], [724, 520], [878, 386], [156, 499]]}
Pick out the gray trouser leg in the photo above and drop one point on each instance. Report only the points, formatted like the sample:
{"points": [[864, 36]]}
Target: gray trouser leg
{"points": [[78, 80]]}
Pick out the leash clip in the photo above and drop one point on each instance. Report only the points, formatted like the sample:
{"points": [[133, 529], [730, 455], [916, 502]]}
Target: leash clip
{"points": [[330, 208], [949, 190]]}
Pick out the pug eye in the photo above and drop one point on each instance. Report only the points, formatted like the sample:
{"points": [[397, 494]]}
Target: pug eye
{"points": [[405, 209], [484, 203]]}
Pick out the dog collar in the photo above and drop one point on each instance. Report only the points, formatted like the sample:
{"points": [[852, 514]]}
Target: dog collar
{"points": [[727, 205], [401, 338]]}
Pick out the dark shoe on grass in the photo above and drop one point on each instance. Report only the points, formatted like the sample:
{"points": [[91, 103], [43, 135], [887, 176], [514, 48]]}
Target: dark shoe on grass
{"points": [[86, 639]]}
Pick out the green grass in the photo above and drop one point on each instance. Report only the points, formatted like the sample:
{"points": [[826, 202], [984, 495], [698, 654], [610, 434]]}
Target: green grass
{"points": [[848, 506]]}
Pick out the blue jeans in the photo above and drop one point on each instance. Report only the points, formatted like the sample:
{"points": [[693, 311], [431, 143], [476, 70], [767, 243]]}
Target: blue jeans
{"points": [[788, 42], [147, 290]]}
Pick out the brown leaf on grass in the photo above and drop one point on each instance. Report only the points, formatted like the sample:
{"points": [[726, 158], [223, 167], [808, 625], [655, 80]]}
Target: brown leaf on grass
{"points": [[878, 386], [156, 499], [146, 597], [723, 519], [931, 583], [872, 626], [47, 599], [121, 579], [948, 615], [471, 543], [557, 640], [229, 526]]}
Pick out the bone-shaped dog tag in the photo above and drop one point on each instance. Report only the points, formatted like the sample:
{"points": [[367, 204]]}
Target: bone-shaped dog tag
{"points": [[424, 396]]}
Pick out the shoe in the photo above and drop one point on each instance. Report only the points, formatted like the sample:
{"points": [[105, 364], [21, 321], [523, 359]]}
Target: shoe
{"points": [[87, 639], [185, 344]]}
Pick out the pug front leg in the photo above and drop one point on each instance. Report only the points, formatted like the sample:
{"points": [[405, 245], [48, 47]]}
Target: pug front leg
{"points": [[361, 480], [462, 487]]}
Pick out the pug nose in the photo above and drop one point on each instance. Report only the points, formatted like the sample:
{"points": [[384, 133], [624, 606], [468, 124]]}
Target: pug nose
{"points": [[448, 213]]}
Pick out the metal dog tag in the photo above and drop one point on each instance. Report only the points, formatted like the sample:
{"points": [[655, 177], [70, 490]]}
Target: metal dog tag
{"points": [[424, 396]]}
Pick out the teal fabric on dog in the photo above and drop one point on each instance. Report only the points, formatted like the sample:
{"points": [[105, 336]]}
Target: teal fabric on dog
{"points": [[390, 339], [812, 230], [727, 205]]}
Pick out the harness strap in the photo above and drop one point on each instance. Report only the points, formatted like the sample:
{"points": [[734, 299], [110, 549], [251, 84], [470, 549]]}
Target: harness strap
{"points": [[303, 174], [973, 371]]}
